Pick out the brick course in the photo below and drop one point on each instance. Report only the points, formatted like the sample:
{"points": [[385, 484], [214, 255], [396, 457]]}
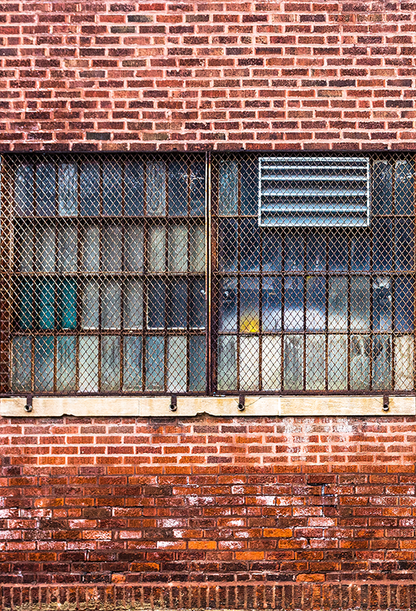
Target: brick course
{"points": [[116, 75]]}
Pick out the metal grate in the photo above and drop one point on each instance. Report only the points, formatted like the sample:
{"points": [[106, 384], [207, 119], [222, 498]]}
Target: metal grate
{"points": [[151, 273]]}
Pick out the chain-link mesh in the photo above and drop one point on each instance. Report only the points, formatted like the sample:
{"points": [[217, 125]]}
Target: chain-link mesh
{"points": [[313, 278], [103, 261]]}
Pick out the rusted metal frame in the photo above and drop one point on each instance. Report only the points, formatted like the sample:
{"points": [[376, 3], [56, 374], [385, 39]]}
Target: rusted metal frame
{"points": [[304, 287], [282, 315], [6, 249], [239, 273], [210, 252], [414, 274]]}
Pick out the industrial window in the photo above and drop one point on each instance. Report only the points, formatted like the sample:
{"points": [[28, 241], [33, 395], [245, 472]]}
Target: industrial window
{"points": [[207, 273]]}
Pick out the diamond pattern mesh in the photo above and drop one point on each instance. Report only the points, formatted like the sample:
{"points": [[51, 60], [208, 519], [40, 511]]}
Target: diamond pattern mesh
{"points": [[301, 304], [104, 281], [103, 261]]}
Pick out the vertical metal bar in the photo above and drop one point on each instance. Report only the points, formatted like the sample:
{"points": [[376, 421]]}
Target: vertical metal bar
{"points": [[6, 249], [210, 358]]}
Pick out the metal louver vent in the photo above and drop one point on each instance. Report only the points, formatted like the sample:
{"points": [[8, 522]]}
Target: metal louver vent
{"points": [[314, 192]]}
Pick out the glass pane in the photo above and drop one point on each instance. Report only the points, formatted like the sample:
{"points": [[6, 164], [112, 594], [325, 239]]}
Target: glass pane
{"points": [[178, 248], [155, 363], [315, 303], [197, 303], [134, 188], [177, 302], [293, 310], [90, 188], [272, 251], [66, 364], [67, 189], [228, 186], [382, 187], [133, 355], [360, 253], [360, 304], [90, 305], [177, 360], [227, 362], [249, 305], [249, 245], [110, 364], [293, 362], [156, 304], [157, 243], [196, 249], [249, 187], [197, 373], [382, 304], [249, 363], [133, 248], [271, 362], [45, 189], [24, 189], [272, 304], [337, 362], [178, 187], [404, 304], [67, 303], [112, 188], [382, 362], [91, 249], [111, 305], [21, 364], [294, 252], [403, 361], [382, 235], [88, 364], [228, 305], [337, 254], [156, 187], [197, 188], [227, 245], [405, 244], [45, 299], [25, 301], [45, 249], [404, 187], [67, 249], [337, 304], [43, 364], [360, 354], [133, 304], [316, 253], [111, 248], [24, 256], [315, 362]]}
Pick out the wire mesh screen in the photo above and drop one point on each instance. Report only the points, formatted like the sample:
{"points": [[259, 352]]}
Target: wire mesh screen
{"points": [[103, 261], [307, 304]]}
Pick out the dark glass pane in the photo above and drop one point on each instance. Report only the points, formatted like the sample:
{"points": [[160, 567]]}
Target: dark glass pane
{"points": [[338, 253], [382, 304], [315, 303], [133, 354], [197, 303], [67, 303], [249, 305], [134, 188], [272, 304], [249, 187], [43, 364], [227, 245], [198, 188], [112, 188], [382, 245], [293, 309], [156, 187], [316, 252], [294, 252], [360, 253], [154, 365], [382, 188], [404, 304], [24, 189], [90, 188], [228, 305], [25, 296], [45, 189], [178, 188], [66, 356], [45, 299], [197, 374], [177, 301], [405, 244], [228, 187], [67, 189], [272, 251], [404, 187], [249, 245], [156, 304], [22, 364]]}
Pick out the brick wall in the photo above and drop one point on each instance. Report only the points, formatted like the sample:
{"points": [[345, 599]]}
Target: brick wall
{"points": [[278, 507], [120, 75]]}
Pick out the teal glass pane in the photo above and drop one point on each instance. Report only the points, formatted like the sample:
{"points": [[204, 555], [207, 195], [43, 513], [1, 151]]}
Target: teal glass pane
{"points": [[45, 300], [25, 301], [197, 367], [90, 188], [65, 364], [24, 189], [67, 303], [22, 364], [133, 188], [132, 371], [44, 349], [154, 364], [197, 188], [46, 189], [178, 188], [112, 188]]}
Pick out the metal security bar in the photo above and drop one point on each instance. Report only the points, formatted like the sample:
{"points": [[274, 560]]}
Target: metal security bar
{"points": [[307, 308], [154, 273]]}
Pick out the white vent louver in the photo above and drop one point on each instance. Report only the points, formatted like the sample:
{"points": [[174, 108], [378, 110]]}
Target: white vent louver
{"points": [[314, 192]]}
